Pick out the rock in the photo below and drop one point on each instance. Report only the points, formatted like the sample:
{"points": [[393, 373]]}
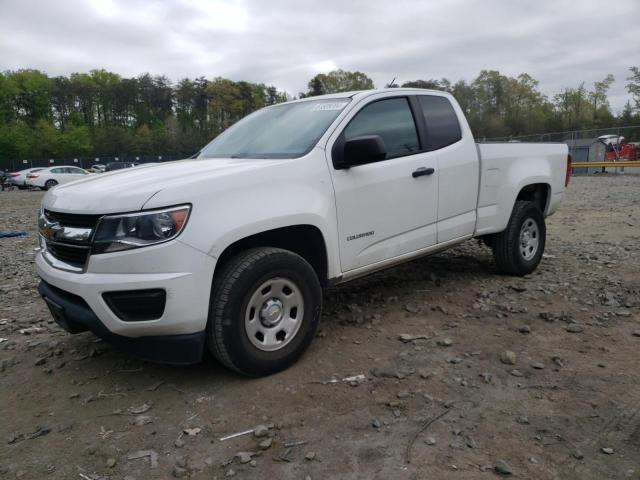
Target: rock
{"points": [[523, 420], [375, 423], [525, 329], [503, 468], [445, 342], [407, 337], [145, 407], [40, 361], [192, 432], [607, 450], [265, 444], [577, 454], [508, 357], [430, 441], [152, 454], [179, 443], [230, 473], [253, 463], [261, 431], [141, 420], [411, 308], [243, 457], [111, 462], [636, 333], [538, 366], [310, 456], [574, 328], [403, 394], [425, 374], [179, 472]]}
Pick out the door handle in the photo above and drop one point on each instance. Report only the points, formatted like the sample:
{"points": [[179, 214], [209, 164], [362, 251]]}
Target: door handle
{"points": [[423, 171]]}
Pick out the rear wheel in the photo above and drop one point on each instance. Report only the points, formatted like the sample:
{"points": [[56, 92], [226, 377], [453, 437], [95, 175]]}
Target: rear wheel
{"points": [[50, 184], [519, 248], [265, 308]]}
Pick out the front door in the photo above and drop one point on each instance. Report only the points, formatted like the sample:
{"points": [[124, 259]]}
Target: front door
{"points": [[389, 207]]}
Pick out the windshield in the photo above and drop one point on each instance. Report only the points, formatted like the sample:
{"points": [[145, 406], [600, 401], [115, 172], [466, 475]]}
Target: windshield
{"points": [[283, 131]]}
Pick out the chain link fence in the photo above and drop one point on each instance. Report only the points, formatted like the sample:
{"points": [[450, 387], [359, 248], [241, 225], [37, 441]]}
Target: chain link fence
{"points": [[631, 133], [590, 145]]}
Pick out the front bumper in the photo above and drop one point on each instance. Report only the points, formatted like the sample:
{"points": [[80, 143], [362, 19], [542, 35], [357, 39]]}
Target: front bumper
{"points": [[184, 273], [74, 315]]}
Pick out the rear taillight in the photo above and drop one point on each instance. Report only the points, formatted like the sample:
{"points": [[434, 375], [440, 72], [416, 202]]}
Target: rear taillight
{"points": [[567, 177], [32, 175], [14, 174]]}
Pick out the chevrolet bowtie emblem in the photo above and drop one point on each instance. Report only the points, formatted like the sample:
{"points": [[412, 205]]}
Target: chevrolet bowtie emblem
{"points": [[48, 229]]}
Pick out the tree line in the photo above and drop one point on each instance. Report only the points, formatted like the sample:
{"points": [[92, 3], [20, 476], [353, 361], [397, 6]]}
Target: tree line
{"points": [[102, 113]]}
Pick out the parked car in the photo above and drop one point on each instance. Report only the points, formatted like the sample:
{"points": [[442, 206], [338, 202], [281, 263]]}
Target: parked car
{"points": [[19, 178], [119, 165], [230, 250], [98, 168], [47, 178]]}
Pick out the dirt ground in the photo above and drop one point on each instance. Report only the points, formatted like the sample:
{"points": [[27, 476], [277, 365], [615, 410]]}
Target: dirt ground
{"points": [[440, 403]]}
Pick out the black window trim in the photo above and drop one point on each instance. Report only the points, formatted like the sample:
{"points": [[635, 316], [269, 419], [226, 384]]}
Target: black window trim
{"points": [[426, 124], [418, 122]]}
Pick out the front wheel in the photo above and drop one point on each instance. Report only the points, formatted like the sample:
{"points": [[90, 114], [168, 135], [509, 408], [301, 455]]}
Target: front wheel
{"points": [[264, 312], [519, 248]]}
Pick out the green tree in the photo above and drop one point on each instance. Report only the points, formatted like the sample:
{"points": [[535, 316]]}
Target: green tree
{"points": [[74, 141], [338, 81], [633, 87]]}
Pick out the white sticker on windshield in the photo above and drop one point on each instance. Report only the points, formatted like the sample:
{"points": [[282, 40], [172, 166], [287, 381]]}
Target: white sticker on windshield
{"points": [[322, 107]]}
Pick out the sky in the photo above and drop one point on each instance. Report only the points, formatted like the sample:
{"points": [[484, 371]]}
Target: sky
{"points": [[286, 42]]}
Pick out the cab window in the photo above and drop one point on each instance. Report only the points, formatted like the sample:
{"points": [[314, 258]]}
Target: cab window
{"points": [[392, 120], [442, 122]]}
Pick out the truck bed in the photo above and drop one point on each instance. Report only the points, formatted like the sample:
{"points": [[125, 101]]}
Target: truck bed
{"points": [[505, 168]]}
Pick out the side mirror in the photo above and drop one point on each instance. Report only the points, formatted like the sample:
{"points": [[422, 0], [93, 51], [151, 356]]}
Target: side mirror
{"points": [[360, 150]]}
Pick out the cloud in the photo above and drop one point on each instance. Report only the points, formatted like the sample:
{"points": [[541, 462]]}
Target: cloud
{"points": [[561, 43]]}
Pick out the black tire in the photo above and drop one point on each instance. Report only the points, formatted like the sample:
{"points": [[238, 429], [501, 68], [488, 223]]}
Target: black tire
{"points": [[50, 184], [232, 290], [507, 250]]}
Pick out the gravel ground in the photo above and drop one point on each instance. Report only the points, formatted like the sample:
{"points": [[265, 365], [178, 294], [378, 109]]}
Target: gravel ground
{"points": [[466, 374]]}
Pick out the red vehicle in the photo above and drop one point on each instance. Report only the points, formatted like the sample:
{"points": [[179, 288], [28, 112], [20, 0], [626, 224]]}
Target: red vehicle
{"points": [[618, 150]]}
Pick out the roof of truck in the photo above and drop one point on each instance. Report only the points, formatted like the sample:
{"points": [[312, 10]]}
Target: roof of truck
{"points": [[362, 93]]}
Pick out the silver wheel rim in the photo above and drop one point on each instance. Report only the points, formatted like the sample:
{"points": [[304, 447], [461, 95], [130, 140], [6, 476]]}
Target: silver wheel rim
{"points": [[274, 314], [529, 239]]}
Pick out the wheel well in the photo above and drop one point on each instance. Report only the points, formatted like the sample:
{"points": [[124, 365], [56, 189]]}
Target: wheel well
{"points": [[537, 193], [305, 240]]}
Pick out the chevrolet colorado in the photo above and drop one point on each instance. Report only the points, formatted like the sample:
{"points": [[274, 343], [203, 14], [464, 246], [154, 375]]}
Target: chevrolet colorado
{"points": [[230, 250]]}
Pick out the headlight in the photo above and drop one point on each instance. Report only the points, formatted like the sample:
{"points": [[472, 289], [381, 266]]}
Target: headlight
{"points": [[140, 229]]}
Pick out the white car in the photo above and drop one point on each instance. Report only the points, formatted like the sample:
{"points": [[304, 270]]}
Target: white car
{"points": [[19, 178], [229, 251], [50, 177]]}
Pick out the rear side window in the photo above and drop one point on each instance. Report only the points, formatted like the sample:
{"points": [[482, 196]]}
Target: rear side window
{"points": [[441, 119], [392, 120]]}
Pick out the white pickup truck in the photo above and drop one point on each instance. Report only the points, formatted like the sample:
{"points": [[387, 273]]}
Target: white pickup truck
{"points": [[230, 250]]}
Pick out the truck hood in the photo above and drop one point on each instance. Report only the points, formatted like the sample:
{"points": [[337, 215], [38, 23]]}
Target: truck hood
{"points": [[129, 189]]}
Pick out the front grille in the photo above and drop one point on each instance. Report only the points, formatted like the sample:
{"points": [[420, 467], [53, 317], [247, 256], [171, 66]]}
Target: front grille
{"points": [[73, 219], [74, 255], [71, 251]]}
